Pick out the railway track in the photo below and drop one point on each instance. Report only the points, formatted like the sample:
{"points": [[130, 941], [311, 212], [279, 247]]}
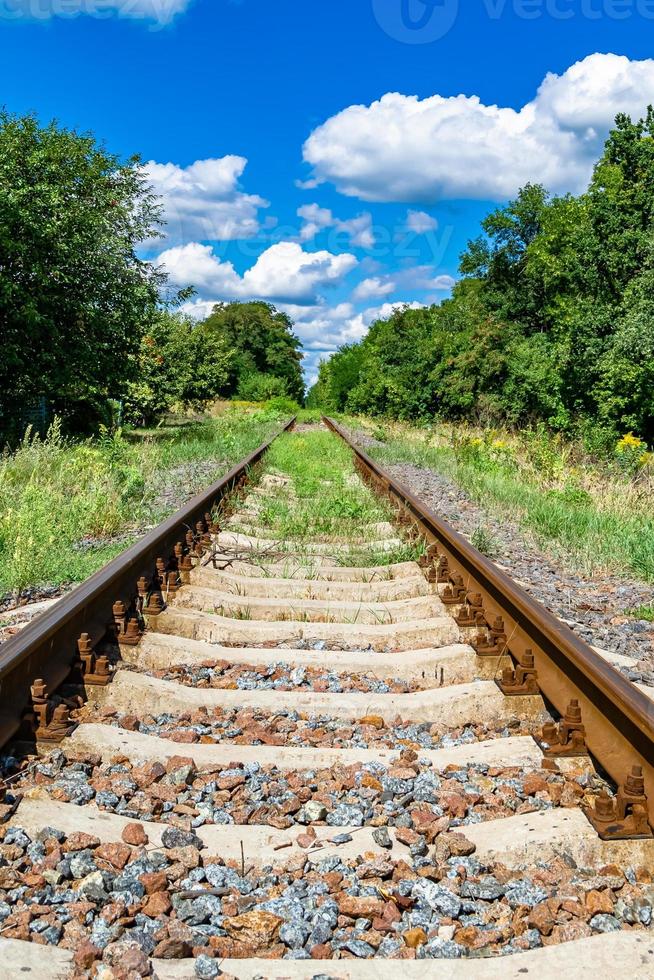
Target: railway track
{"points": [[305, 720]]}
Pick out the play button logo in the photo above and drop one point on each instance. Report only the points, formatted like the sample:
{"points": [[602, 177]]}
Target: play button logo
{"points": [[416, 21]]}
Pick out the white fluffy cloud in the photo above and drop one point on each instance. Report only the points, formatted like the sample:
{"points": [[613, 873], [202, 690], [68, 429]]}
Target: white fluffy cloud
{"points": [[373, 288], [402, 148], [284, 272], [316, 219], [419, 222], [323, 329], [203, 200], [160, 11]]}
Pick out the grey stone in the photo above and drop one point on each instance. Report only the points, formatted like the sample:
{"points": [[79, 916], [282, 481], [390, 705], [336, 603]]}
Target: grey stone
{"points": [[52, 935], [532, 938], [36, 851], [524, 892], [46, 832], [206, 968], [437, 897], [294, 934], [289, 909], [345, 815], [488, 888], [174, 837], [388, 946], [107, 799], [445, 949], [82, 863], [92, 887], [103, 934], [321, 933], [382, 837], [359, 948], [16, 835], [425, 787], [605, 923]]}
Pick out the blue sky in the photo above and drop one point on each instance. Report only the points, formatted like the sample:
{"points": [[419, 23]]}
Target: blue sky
{"points": [[332, 157]]}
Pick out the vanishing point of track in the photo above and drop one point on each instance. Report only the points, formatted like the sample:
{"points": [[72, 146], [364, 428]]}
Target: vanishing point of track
{"points": [[245, 755]]}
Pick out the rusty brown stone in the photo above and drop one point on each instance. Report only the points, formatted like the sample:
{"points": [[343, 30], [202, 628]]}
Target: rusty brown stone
{"points": [[117, 855], [414, 937], [359, 907], [134, 834], [598, 902]]}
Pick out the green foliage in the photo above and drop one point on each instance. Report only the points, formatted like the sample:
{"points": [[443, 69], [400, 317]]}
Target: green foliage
{"points": [[258, 387], [266, 354], [332, 502], [644, 613], [67, 508], [283, 405], [553, 321], [593, 515], [74, 296], [177, 362]]}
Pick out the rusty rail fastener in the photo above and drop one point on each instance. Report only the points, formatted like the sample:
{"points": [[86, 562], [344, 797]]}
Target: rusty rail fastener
{"points": [[51, 719], [521, 680], [491, 643], [454, 593], [472, 612], [155, 605], [95, 668], [127, 626], [624, 816], [568, 738], [212, 525]]}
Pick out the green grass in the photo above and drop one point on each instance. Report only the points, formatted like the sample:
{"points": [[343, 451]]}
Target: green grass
{"points": [[644, 613], [596, 519], [329, 501], [63, 504]]}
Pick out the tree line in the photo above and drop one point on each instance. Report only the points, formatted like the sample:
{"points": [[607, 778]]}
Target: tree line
{"points": [[86, 322], [552, 320]]}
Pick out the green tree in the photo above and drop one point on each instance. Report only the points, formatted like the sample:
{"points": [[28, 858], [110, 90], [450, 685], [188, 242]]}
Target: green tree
{"points": [[263, 343], [75, 298], [178, 362]]}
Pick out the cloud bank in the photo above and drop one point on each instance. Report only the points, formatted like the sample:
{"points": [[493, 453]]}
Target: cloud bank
{"points": [[404, 149], [204, 201], [284, 272]]}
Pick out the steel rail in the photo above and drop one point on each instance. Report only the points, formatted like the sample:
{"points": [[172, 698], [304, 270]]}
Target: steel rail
{"points": [[47, 647], [619, 717]]}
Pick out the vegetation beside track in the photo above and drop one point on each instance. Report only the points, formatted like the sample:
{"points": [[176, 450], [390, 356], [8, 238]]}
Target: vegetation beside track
{"points": [[593, 512], [325, 499], [551, 322], [67, 508]]}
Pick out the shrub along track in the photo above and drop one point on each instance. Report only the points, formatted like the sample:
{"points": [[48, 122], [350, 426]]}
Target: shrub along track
{"points": [[290, 742]]}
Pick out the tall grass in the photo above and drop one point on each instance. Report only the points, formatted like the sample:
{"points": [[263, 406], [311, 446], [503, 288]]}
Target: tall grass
{"points": [[595, 514], [66, 508]]}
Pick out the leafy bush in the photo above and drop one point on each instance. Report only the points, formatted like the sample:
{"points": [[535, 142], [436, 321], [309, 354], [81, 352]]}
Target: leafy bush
{"points": [[283, 405], [553, 321], [257, 387]]}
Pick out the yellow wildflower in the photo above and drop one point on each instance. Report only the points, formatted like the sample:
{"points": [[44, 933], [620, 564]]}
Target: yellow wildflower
{"points": [[630, 441]]}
